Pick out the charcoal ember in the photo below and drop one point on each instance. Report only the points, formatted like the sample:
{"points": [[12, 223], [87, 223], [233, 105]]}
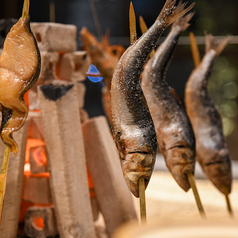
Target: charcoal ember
{"points": [[40, 222], [38, 159]]}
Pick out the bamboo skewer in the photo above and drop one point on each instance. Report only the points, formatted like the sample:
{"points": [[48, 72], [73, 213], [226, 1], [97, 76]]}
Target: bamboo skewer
{"points": [[25, 9], [142, 200], [133, 38], [194, 49], [229, 208], [96, 18], [228, 203], [132, 20], [197, 60], [3, 177], [196, 194]]}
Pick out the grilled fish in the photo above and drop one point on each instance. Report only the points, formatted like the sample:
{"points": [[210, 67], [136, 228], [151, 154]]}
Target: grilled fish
{"points": [[105, 57], [133, 128], [174, 131], [211, 149], [19, 70]]}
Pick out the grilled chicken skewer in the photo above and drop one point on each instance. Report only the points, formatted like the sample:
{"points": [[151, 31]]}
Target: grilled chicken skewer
{"points": [[133, 128], [174, 131], [19, 70], [211, 149]]}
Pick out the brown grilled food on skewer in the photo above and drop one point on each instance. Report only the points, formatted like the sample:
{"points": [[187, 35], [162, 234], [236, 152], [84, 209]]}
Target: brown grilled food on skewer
{"points": [[133, 128], [211, 150], [174, 132], [19, 70], [105, 57]]}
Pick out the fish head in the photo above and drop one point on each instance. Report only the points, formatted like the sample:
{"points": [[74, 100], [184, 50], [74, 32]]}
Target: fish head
{"points": [[136, 165], [218, 170], [180, 160]]}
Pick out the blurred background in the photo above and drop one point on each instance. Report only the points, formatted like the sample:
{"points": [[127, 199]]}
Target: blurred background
{"points": [[217, 17]]}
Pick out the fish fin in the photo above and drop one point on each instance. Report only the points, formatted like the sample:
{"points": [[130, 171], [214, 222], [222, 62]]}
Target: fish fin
{"points": [[176, 96], [194, 50], [132, 19], [217, 45], [183, 22], [171, 13]]}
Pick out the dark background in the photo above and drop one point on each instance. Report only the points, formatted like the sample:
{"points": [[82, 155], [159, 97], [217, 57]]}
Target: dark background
{"points": [[217, 17]]}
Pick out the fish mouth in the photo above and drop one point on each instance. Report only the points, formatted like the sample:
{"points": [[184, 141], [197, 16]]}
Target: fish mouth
{"points": [[180, 160], [137, 165], [220, 176]]}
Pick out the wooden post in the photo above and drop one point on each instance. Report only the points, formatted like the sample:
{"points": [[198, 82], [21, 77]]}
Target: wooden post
{"points": [[68, 176], [112, 193], [12, 201]]}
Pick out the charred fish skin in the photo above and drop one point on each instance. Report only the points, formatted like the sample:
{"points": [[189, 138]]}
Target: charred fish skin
{"points": [[211, 148], [174, 131], [16, 77], [133, 128]]}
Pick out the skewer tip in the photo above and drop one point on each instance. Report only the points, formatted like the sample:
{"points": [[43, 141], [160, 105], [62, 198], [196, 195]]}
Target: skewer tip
{"points": [[196, 194], [142, 200], [228, 203], [25, 9]]}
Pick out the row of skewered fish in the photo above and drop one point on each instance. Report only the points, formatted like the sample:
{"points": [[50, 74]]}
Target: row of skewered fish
{"points": [[143, 115], [146, 112]]}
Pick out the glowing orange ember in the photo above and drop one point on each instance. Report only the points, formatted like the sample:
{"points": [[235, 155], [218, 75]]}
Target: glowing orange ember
{"points": [[32, 143], [39, 223]]}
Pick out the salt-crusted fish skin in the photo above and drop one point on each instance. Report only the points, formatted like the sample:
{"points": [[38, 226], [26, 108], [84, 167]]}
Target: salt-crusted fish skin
{"points": [[133, 128], [211, 148]]}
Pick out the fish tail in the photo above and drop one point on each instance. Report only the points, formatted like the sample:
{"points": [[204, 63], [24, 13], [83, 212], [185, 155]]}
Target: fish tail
{"points": [[183, 22], [171, 13], [217, 45]]}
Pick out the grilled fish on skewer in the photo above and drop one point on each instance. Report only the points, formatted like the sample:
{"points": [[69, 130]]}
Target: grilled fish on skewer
{"points": [[19, 70], [105, 58], [174, 132], [211, 149], [133, 128]]}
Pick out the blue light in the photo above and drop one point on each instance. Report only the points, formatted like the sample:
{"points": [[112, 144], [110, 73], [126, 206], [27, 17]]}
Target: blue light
{"points": [[93, 74]]}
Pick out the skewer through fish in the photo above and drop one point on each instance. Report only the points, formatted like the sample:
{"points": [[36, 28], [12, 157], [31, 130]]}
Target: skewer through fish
{"points": [[133, 128], [211, 149], [174, 131]]}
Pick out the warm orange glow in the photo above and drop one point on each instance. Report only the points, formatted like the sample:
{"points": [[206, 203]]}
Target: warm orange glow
{"points": [[38, 223], [44, 205], [90, 185], [39, 175], [24, 206], [32, 143], [26, 98], [39, 155]]}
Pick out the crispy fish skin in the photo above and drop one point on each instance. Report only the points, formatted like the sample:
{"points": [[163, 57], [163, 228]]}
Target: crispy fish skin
{"points": [[174, 131], [133, 128], [19, 70], [211, 148]]}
